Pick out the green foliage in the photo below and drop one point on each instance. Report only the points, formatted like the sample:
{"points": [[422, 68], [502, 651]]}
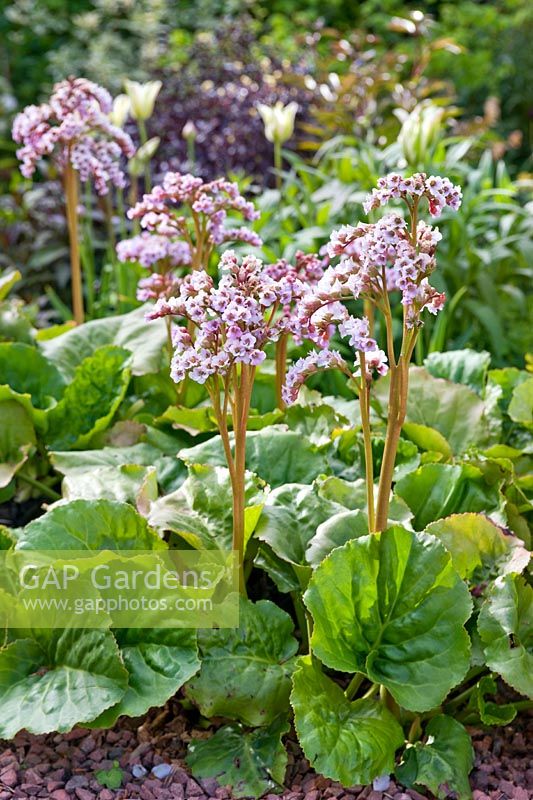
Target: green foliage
{"points": [[392, 607], [245, 672], [251, 762], [443, 762], [350, 742]]}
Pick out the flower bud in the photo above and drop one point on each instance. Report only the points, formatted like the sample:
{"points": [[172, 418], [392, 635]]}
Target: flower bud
{"points": [[278, 120], [189, 131], [420, 132], [142, 97], [142, 156], [120, 111]]}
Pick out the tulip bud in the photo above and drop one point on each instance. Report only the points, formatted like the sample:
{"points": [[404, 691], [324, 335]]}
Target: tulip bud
{"points": [[143, 155], [189, 131], [420, 132], [278, 121], [121, 110], [142, 97]]}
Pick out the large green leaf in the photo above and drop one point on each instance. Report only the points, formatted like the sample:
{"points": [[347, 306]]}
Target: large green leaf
{"points": [[201, 511], [334, 532], [144, 340], [350, 742], [17, 439], [460, 366], [27, 372], [159, 662], [505, 624], [480, 550], [391, 606], [74, 464], [352, 495], [521, 405], [316, 422], [443, 762], [434, 491], [129, 483], [90, 525], [90, 400], [289, 521], [452, 409], [58, 679], [277, 455], [252, 763], [245, 673]]}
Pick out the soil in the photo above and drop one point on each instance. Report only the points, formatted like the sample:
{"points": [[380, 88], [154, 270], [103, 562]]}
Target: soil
{"points": [[63, 767]]}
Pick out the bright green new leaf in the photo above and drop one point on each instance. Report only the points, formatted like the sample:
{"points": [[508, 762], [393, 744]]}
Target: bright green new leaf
{"points": [[58, 679], [90, 400], [245, 672], [480, 550], [443, 762], [277, 455], [127, 484], [7, 281], [159, 662], [91, 525], [200, 511], [521, 405], [17, 439], [252, 763], [350, 742], [434, 491], [391, 606], [505, 625]]}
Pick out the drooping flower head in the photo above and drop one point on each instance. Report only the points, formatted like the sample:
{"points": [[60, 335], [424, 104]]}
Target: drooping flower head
{"points": [[233, 322], [75, 125]]}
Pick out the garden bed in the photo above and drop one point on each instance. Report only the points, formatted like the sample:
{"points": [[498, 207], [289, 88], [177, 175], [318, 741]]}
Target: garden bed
{"points": [[61, 767]]}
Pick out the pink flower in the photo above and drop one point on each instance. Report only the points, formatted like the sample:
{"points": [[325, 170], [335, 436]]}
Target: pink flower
{"points": [[75, 123], [439, 192], [312, 363]]}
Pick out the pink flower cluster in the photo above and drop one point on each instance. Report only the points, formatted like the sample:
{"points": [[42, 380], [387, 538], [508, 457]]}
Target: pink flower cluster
{"points": [[318, 360], [150, 249], [75, 121], [439, 192], [306, 271], [374, 259], [234, 321], [211, 201]]}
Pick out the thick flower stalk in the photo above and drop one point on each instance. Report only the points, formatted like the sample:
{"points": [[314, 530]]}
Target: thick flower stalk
{"points": [[304, 273], [74, 126], [222, 341], [375, 261]]}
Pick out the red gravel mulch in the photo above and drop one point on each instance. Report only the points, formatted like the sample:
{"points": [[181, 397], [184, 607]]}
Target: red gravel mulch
{"points": [[62, 767]]}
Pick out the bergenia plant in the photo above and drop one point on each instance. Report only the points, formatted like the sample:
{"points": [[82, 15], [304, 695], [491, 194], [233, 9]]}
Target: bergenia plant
{"points": [[376, 261], [74, 128], [228, 328]]}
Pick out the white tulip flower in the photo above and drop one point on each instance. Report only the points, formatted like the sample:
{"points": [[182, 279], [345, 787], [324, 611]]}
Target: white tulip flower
{"points": [[278, 120], [142, 97], [121, 110]]}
